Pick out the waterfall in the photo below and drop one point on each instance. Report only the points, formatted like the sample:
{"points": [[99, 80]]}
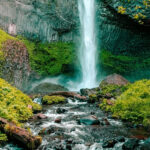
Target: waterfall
{"points": [[87, 51]]}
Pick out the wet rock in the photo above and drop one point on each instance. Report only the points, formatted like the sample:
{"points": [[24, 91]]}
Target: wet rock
{"points": [[131, 144], [72, 129], [120, 139], [39, 116], [90, 120], [69, 141], [61, 110], [69, 147], [87, 92], [109, 144], [88, 144], [58, 120], [145, 145], [115, 79], [51, 129], [92, 113], [104, 121]]}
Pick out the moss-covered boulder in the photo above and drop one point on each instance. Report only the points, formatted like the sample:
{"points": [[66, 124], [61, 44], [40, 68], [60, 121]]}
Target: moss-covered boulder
{"points": [[53, 100], [46, 88], [112, 86], [14, 60], [14, 105]]}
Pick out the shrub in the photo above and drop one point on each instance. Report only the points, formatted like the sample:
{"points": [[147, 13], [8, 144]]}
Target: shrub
{"points": [[123, 64], [14, 105], [53, 99], [134, 104], [3, 138], [111, 89]]}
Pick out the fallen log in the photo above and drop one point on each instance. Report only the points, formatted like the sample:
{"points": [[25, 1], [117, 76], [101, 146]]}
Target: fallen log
{"points": [[20, 135], [68, 94]]}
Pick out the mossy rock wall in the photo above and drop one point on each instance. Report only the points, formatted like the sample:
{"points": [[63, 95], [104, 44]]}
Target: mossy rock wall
{"points": [[21, 59]]}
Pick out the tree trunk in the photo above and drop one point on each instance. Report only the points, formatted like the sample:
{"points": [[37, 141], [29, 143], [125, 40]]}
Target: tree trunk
{"points": [[20, 135]]}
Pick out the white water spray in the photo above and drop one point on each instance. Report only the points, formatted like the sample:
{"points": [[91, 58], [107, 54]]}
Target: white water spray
{"points": [[87, 53]]}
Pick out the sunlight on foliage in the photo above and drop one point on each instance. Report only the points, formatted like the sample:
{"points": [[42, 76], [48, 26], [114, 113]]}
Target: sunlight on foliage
{"points": [[134, 104], [138, 10], [14, 105]]}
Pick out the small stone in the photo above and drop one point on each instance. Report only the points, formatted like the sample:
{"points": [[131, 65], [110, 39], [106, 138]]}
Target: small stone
{"points": [[61, 110], [109, 144], [41, 116], [105, 121], [58, 120], [120, 139]]}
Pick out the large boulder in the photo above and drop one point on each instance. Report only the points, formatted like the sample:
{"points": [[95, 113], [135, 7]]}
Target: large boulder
{"points": [[115, 79], [46, 88]]}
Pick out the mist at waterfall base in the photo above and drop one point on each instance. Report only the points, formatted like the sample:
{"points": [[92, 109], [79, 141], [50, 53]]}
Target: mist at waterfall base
{"points": [[86, 52]]}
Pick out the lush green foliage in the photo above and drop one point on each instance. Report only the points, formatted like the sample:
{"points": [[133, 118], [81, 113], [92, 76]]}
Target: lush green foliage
{"points": [[3, 138], [134, 104], [53, 99], [123, 64], [45, 58], [111, 90], [14, 105], [51, 58]]}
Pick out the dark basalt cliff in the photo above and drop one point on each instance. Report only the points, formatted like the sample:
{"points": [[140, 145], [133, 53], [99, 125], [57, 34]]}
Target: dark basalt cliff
{"points": [[46, 20], [55, 20], [121, 33]]}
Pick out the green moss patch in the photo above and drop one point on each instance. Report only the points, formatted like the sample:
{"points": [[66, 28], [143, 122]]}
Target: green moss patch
{"points": [[53, 99], [133, 105], [51, 58], [14, 105], [111, 90], [3, 138], [123, 64]]}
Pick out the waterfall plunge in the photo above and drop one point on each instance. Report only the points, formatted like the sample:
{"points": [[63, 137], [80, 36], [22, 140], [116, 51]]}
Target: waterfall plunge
{"points": [[87, 53]]}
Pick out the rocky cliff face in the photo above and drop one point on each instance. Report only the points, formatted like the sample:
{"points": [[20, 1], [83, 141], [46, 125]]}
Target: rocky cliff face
{"points": [[46, 20], [122, 33]]}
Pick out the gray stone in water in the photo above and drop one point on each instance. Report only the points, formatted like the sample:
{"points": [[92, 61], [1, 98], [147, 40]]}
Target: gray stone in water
{"points": [[145, 145], [90, 120], [61, 110], [109, 144], [131, 144]]}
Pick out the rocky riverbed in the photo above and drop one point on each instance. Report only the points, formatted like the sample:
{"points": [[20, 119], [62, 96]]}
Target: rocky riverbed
{"points": [[78, 125]]}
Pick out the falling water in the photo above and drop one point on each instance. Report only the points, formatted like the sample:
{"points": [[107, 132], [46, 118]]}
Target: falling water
{"points": [[87, 53]]}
